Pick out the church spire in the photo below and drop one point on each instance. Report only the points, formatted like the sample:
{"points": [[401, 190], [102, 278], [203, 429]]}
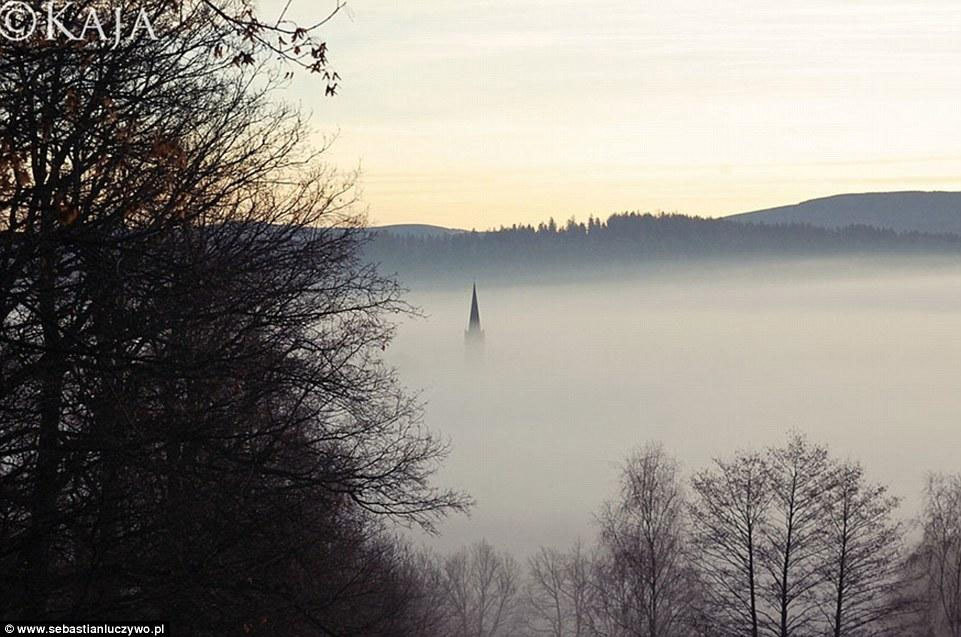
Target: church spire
{"points": [[474, 323], [474, 333]]}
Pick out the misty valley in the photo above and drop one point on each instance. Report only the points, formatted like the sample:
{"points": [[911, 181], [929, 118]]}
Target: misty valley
{"points": [[610, 428], [863, 355]]}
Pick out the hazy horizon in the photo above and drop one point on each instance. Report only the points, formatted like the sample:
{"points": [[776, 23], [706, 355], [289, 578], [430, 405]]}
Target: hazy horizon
{"points": [[581, 218]]}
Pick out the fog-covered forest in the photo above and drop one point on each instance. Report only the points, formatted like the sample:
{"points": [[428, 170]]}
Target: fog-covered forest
{"points": [[522, 250]]}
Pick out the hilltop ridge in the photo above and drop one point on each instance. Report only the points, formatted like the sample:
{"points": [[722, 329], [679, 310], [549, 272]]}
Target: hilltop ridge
{"points": [[906, 211]]}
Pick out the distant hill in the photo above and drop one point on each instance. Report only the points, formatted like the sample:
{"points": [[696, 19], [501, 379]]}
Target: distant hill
{"points": [[416, 230], [929, 212]]}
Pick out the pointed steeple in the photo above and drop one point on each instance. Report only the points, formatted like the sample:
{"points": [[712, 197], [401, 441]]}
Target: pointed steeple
{"points": [[474, 323], [474, 334]]}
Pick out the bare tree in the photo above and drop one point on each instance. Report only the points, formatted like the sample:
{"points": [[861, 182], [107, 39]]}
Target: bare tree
{"points": [[420, 609], [941, 551], [249, 34], [792, 543], [864, 559], [801, 478], [728, 513], [582, 590], [646, 577], [191, 390], [548, 612], [481, 590], [560, 592]]}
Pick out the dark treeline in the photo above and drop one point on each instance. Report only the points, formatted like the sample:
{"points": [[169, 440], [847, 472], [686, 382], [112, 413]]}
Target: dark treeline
{"points": [[784, 542], [633, 237]]}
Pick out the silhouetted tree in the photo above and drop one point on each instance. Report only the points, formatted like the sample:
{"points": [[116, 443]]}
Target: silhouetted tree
{"points": [[941, 553], [561, 592], [729, 510], [801, 479], [865, 590], [546, 598], [426, 613], [194, 422], [481, 587], [792, 543], [646, 582]]}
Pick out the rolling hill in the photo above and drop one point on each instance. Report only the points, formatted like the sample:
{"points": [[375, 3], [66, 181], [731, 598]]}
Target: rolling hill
{"points": [[416, 230], [929, 212]]}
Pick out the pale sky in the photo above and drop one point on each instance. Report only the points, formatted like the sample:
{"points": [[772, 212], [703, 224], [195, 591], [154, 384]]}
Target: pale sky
{"points": [[474, 113]]}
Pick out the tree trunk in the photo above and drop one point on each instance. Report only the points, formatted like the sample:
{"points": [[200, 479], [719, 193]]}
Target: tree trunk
{"points": [[44, 499]]}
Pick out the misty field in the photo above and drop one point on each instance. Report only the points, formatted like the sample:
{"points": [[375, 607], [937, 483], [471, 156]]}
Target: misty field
{"points": [[864, 356]]}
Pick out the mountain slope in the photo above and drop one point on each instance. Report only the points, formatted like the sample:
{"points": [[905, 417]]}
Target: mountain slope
{"points": [[416, 230], [931, 212]]}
